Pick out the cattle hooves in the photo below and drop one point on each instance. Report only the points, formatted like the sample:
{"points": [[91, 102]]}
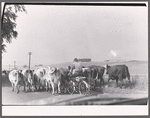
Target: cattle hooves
{"points": [[59, 93], [53, 93]]}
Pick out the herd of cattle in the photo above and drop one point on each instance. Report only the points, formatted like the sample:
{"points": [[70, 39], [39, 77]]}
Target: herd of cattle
{"points": [[59, 78]]}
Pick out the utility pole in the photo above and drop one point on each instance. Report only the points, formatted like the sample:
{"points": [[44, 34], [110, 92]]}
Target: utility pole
{"points": [[29, 59]]}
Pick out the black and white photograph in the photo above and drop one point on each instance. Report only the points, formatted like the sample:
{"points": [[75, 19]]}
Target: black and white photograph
{"points": [[75, 55]]}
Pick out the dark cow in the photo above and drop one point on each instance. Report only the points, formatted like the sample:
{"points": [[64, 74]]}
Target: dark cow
{"points": [[28, 79], [87, 72], [64, 77], [93, 73], [6, 72], [118, 72], [97, 73]]}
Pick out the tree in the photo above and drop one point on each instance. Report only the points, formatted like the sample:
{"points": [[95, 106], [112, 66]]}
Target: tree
{"points": [[9, 23]]}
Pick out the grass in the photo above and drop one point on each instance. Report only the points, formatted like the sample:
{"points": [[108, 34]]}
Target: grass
{"points": [[139, 84]]}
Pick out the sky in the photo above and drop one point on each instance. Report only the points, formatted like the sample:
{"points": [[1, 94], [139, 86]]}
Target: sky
{"points": [[56, 34]]}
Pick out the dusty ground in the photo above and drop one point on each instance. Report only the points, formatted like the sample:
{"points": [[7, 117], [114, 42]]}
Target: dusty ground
{"points": [[139, 89]]}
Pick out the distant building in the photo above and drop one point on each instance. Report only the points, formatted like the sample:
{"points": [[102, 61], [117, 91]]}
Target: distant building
{"points": [[84, 60]]}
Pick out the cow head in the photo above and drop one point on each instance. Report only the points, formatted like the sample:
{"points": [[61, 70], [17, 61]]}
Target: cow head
{"points": [[69, 67], [107, 68], [52, 69], [5, 72]]}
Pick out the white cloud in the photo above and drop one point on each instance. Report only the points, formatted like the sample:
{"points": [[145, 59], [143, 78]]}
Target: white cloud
{"points": [[113, 53]]}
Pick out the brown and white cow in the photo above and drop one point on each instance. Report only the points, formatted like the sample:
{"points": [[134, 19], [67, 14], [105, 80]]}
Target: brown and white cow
{"points": [[53, 79], [28, 79]]}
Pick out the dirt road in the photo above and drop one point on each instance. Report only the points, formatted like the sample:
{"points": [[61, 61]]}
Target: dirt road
{"points": [[46, 98]]}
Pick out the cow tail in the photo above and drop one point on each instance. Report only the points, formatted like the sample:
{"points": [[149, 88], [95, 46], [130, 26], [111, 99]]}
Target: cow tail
{"points": [[17, 78], [34, 78], [29, 78]]}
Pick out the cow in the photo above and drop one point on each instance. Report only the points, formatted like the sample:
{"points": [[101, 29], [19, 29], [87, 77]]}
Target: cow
{"points": [[15, 77], [6, 72], [64, 78], [118, 72], [39, 77], [28, 79], [53, 78], [97, 73], [93, 73], [87, 72]]}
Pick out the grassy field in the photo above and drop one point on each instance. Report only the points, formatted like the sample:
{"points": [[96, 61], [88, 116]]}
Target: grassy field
{"points": [[135, 67]]}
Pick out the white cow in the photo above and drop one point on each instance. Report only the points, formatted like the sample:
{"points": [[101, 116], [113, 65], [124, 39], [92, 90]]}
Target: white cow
{"points": [[15, 77], [53, 79], [39, 77]]}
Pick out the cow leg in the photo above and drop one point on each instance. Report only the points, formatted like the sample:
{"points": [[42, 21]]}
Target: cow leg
{"points": [[35, 87], [49, 86], [43, 87], [12, 86], [117, 82], [24, 86], [65, 90], [18, 87], [29, 87], [65, 87], [108, 82], [39, 85], [130, 84], [46, 84], [53, 88], [94, 85], [35, 82], [121, 81], [59, 88], [101, 82]]}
